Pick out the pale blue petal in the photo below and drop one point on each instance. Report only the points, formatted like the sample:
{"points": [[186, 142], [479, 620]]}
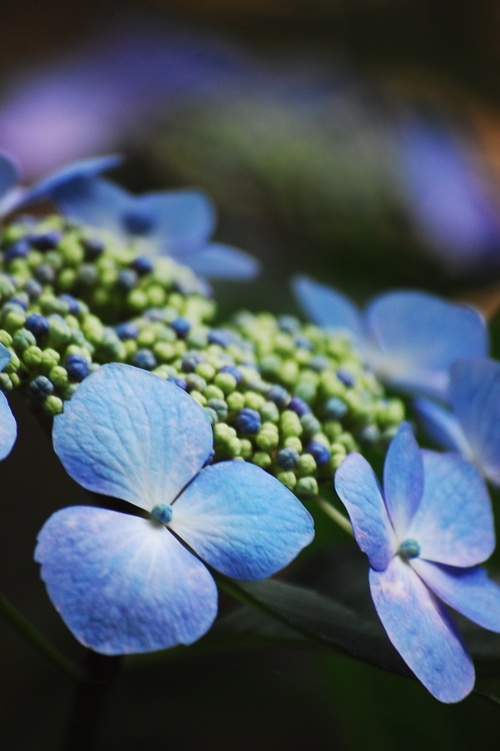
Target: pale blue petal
{"points": [[419, 337], [5, 356], [442, 426], [241, 520], [129, 434], [218, 261], [467, 590], [454, 522], [403, 479], [359, 491], [123, 584], [97, 202], [183, 219], [422, 631], [9, 174], [8, 427], [475, 398], [329, 308], [84, 169]]}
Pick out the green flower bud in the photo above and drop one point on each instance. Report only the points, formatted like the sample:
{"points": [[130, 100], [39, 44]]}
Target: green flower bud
{"points": [[48, 359], [71, 251], [269, 412], [32, 357], [206, 371], [52, 405], [137, 300], [290, 424], [235, 401], [23, 339], [306, 391], [5, 383], [310, 424], [261, 459], [307, 488], [212, 392], [66, 279], [267, 439], [289, 372], [288, 479], [92, 329], [254, 400], [59, 377], [293, 443], [307, 464], [226, 382], [165, 371], [347, 440], [70, 390], [246, 448], [5, 338], [156, 296], [13, 321]]}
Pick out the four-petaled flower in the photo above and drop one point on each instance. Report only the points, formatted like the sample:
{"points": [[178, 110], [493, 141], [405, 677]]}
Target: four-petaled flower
{"points": [[174, 223], [424, 536], [124, 583], [410, 339]]}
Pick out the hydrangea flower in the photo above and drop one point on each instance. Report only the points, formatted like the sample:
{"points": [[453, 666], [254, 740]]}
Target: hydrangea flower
{"points": [[424, 535], [173, 223], [473, 426], [8, 425], [410, 339], [13, 196], [125, 583]]}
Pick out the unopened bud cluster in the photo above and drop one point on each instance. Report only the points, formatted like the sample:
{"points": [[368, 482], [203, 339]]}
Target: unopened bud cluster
{"points": [[291, 398]]}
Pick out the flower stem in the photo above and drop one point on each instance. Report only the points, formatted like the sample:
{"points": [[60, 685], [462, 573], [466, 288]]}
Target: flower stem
{"points": [[337, 517], [35, 638]]}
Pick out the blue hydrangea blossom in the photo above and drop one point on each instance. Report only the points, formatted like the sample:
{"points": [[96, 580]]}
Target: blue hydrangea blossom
{"points": [[173, 223], [125, 583], [8, 425], [410, 339], [13, 196], [424, 535], [472, 426]]}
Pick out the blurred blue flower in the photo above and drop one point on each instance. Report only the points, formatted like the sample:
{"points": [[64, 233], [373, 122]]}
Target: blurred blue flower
{"points": [[472, 426], [424, 536], [173, 223], [410, 339], [8, 426], [13, 196], [124, 583]]}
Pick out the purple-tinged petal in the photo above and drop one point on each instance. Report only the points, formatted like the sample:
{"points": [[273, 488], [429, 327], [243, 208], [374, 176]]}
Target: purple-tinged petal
{"points": [[97, 202], [418, 337], [403, 479], [329, 308], [183, 219], [467, 590], [8, 427], [475, 398], [454, 522], [84, 169], [442, 426], [123, 584], [9, 173], [241, 520], [218, 261], [422, 631], [359, 491], [129, 434], [5, 356]]}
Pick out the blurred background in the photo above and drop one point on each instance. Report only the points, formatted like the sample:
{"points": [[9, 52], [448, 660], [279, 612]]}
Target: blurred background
{"points": [[356, 141]]}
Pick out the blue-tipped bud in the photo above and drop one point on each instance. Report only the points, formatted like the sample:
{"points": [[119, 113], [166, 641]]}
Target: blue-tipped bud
{"points": [[145, 359], [222, 337], [234, 372], [369, 435], [288, 458], [319, 363], [346, 378], [93, 248], [409, 549], [37, 324], [33, 289], [127, 330], [181, 327], [20, 299], [247, 421], [72, 303], [45, 241], [143, 265], [180, 382], [303, 342], [335, 409], [320, 452], [156, 315], [299, 406], [20, 249], [310, 424], [288, 324], [162, 513], [45, 273], [219, 406], [279, 396], [77, 367], [40, 388], [127, 279], [190, 361]]}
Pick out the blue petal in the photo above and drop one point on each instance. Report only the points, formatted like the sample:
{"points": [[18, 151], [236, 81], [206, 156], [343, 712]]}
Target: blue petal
{"points": [[5, 356], [222, 262], [129, 434], [467, 590], [8, 427], [419, 337], [9, 174], [242, 521], [442, 426], [97, 202], [123, 584], [327, 307], [422, 631], [85, 169], [475, 398], [454, 522], [183, 219], [403, 479], [359, 491]]}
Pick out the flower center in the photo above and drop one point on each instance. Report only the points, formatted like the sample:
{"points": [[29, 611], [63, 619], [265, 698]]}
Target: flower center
{"points": [[162, 512], [409, 549]]}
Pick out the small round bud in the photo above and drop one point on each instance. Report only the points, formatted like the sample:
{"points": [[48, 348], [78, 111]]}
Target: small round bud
{"points": [[288, 479], [269, 412], [145, 359], [33, 289], [288, 324], [305, 391], [369, 435], [40, 387], [226, 382], [220, 406], [179, 382], [310, 424], [126, 279], [279, 396], [212, 415], [52, 406], [335, 409], [206, 371], [59, 377], [212, 392], [299, 406], [162, 512], [72, 303], [320, 452], [19, 249], [246, 448], [198, 397], [267, 439], [127, 330], [261, 459], [288, 458], [195, 383], [87, 275], [45, 273], [32, 357], [248, 421], [254, 400], [293, 443], [142, 265], [409, 549], [45, 241], [234, 371], [235, 401], [77, 367], [181, 327], [307, 464], [93, 248], [347, 378], [22, 339], [306, 488]]}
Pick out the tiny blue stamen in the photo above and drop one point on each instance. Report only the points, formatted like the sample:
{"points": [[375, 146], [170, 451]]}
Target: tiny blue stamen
{"points": [[162, 513], [409, 549]]}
